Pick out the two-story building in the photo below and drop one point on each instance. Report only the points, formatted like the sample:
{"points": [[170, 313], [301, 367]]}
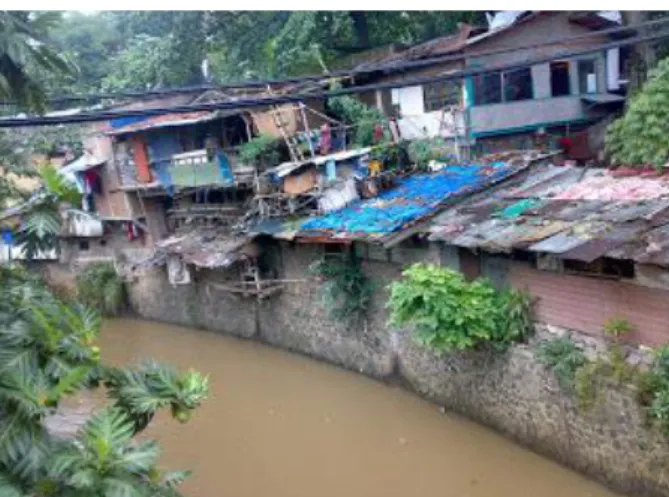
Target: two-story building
{"points": [[508, 105]]}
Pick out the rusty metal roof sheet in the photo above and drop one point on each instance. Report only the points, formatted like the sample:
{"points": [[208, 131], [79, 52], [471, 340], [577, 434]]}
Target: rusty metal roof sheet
{"points": [[207, 248], [571, 212]]}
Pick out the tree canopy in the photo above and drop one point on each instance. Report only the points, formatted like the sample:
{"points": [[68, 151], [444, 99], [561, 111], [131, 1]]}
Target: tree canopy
{"points": [[139, 49]]}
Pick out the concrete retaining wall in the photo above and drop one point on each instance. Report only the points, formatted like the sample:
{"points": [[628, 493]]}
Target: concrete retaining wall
{"points": [[510, 392]]}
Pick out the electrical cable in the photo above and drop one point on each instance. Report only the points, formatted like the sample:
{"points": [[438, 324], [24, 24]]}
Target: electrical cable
{"points": [[352, 72], [277, 100]]}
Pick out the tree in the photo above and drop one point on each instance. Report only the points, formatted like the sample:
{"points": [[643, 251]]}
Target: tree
{"points": [[47, 352], [149, 62], [90, 42], [24, 53], [641, 136], [258, 44]]}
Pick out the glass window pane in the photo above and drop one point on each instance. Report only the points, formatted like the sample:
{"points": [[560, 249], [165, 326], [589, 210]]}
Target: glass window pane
{"points": [[488, 88], [587, 76], [518, 85], [442, 94]]}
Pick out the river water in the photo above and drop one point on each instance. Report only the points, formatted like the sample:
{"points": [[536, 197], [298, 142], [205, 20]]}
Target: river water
{"points": [[282, 425]]}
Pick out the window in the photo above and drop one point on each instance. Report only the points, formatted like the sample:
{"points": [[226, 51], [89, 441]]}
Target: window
{"points": [[517, 85], [487, 88], [587, 76], [442, 94], [84, 245], [560, 85], [602, 267], [508, 86]]}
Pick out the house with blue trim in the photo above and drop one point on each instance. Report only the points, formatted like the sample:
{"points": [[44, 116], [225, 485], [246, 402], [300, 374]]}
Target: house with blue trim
{"points": [[507, 108]]}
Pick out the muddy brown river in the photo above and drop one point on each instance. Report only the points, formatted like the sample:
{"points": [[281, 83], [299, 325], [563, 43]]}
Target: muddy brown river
{"points": [[282, 425]]}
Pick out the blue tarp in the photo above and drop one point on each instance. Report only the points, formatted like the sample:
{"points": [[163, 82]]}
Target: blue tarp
{"points": [[124, 121], [414, 197]]}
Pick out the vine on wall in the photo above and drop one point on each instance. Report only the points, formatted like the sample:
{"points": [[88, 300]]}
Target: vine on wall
{"points": [[346, 290], [449, 313]]}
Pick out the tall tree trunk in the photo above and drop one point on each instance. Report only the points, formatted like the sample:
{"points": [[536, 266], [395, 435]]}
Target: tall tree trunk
{"points": [[360, 26], [642, 56]]}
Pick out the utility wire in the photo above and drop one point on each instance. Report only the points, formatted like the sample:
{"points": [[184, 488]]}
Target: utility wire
{"points": [[277, 100], [373, 67]]}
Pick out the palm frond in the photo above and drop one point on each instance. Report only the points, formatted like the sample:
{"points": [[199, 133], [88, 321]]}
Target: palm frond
{"points": [[8, 488]]}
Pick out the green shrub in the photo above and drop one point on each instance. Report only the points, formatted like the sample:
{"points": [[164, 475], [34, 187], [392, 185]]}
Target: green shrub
{"points": [[100, 288], [264, 151], [449, 313], [640, 136], [617, 327], [423, 151], [653, 389], [353, 112], [564, 358]]}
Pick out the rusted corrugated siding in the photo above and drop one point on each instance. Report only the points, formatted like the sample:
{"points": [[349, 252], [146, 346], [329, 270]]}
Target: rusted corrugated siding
{"points": [[585, 304]]}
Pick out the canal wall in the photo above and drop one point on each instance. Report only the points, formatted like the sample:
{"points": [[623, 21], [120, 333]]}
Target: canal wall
{"points": [[512, 392]]}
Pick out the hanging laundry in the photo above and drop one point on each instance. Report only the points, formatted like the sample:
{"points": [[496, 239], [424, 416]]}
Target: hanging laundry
{"points": [[331, 170], [133, 231], [7, 236], [162, 171], [325, 144], [378, 133], [92, 182], [226, 170]]}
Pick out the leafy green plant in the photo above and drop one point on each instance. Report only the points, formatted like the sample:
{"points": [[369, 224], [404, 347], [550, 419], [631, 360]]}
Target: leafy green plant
{"points": [[41, 224], [586, 384], [563, 357], [423, 151], [48, 352], [653, 389], [99, 287], [583, 377], [263, 151], [639, 137], [346, 291], [353, 112], [617, 327], [449, 313]]}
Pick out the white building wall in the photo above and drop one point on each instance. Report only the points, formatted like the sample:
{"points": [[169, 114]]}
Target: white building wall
{"points": [[415, 123]]}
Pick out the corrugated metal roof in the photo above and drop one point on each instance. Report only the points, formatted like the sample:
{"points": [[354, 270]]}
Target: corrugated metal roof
{"points": [[206, 248], [164, 121], [415, 198], [571, 212]]}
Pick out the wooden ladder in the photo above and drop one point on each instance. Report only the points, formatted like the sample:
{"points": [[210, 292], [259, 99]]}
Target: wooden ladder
{"points": [[296, 154]]}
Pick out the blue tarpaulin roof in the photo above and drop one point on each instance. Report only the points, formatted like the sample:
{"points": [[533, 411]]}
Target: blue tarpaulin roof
{"points": [[415, 197], [119, 122]]}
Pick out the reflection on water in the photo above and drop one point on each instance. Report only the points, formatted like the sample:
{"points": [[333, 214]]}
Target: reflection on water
{"points": [[279, 425]]}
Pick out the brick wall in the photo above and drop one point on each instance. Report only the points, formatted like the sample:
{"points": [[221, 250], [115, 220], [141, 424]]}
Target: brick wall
{"points": [[585, 304]]}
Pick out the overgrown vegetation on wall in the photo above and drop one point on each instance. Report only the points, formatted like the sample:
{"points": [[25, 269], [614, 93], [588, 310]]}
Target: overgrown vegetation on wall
{"points": [[584, 378], [639, 138], [449, 313], [100, 288], [346, 290]]}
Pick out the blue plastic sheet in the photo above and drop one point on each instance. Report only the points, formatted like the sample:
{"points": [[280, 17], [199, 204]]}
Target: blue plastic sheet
{"points": [[413, 198]]}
